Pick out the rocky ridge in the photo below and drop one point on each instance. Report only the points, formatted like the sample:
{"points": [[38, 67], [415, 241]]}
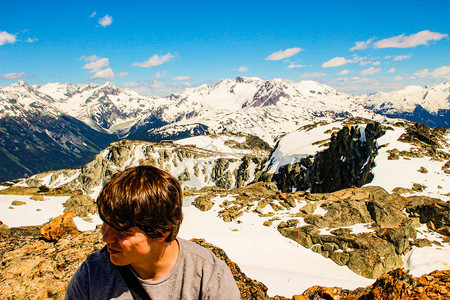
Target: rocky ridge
{"points": [[367, 229], [194, 167]]}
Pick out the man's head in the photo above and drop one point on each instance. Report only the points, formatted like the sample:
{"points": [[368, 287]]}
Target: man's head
{"points": [[145, 197]]}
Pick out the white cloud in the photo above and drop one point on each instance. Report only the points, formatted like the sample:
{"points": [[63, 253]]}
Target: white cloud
{"points": [[422, 73], [391, 70], [344, 72], [106, 74], [180, 78], [370, 71], [93, 14], [156, 88], [6, 38], [402, 57], [442, 72], [105, 21], [310, 75], [123, 74], [243, 69], [376, 63], [294, 66], [32, 40], [97, 64], [160, 74], [362, 45], [336, 62], [354, 79], [364, 85], [397, 78], [398, 57], [410, 41], [90, 58], [282, 54], [155, 60], [362, 60], [12, 76]]}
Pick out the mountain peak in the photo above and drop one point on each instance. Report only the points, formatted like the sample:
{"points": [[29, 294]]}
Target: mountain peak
{"points": [[20, 83]]}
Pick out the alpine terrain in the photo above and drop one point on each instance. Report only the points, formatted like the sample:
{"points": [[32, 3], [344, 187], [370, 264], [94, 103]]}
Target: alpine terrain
{"points": [[304, 187]]}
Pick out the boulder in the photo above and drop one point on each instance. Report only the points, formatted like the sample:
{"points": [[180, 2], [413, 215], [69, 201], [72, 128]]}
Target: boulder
{"points": [[81, 205], [37, 198], [59, 227], [203, 202]]}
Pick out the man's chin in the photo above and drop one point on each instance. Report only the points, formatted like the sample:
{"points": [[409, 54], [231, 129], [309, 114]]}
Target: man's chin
{"points": [[117, 262]]}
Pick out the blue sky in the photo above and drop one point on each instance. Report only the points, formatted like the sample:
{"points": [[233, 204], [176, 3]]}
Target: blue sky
{"points": [[158, 48]]}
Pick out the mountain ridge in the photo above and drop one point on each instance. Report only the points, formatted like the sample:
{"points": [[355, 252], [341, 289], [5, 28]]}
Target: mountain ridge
{"points": [[268, 109]]}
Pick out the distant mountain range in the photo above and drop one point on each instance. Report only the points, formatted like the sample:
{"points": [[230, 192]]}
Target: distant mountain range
{"points": [[64, 125]]}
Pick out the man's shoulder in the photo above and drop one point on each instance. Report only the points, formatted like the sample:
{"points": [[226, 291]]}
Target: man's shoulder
{"points": [[199, 252], [98, 256], [98, 262]]}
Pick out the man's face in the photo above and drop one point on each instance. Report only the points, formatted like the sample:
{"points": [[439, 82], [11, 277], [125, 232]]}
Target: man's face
{"points": [[129, 247]]}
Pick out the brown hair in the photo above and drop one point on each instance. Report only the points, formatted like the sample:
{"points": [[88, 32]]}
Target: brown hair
{"points": [[142, 196]]}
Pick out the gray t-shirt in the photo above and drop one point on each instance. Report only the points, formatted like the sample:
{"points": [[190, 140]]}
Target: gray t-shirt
{"points": [[197, 274]]}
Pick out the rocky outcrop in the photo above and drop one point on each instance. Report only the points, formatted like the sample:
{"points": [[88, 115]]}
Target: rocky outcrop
{"points": [[388, 223], [193, 166], [431, 211], [347, 162], [33, 268], [425, 141], [390, 233]]}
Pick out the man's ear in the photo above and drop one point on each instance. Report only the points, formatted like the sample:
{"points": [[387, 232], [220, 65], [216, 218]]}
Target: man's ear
{"points": [[163, 236]]}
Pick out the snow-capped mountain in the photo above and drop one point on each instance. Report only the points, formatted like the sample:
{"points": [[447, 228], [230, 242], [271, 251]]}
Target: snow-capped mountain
{"points": [[36, 135], [429, 105], [243, 105], [267, 109], [21, 100], [101, 107]]}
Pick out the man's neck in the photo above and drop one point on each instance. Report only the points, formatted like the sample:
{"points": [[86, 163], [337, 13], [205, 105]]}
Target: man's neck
{"points": [[160, 263]]}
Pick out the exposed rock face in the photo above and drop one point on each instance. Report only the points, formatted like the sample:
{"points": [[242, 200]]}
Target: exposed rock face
{"points": [[191, 165], [369, 254], [346, 163]]}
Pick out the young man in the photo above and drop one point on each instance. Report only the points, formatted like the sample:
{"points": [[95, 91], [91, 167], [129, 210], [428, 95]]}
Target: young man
{"points": [[141, 212]]}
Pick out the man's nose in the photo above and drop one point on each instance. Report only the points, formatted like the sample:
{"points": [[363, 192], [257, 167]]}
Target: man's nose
{"points": [[109, 234]]}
